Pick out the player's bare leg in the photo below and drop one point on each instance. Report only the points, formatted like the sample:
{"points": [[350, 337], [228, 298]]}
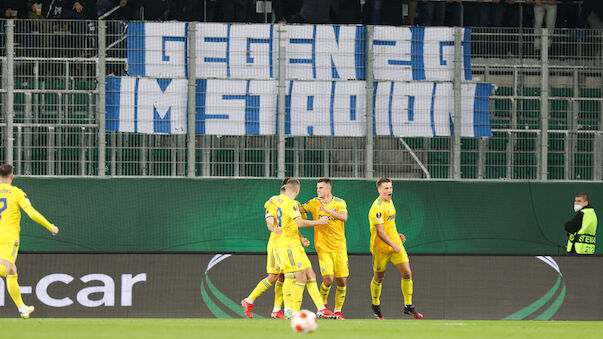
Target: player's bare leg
{"points": [[376, 294], [9, 270], [407, 290]]}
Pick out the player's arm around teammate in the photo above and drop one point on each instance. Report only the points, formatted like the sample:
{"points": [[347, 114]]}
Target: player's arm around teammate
{"points": [[308, 273], [292, 254], [276, 274], [330, 241]]}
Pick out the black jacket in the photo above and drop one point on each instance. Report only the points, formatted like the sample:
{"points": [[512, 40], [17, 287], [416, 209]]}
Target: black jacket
{"points": [[575, 224], [64, 9]]}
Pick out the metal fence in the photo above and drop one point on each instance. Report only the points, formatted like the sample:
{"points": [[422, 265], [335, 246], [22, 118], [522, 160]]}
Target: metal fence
{"points": [[53, 113]]}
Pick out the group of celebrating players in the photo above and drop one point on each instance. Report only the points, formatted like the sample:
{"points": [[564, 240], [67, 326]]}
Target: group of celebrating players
{"points": [[289, 268]]}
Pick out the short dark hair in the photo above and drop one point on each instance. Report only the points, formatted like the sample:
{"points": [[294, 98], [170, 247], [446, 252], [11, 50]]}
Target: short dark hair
{"points": [[583, 195], [325, 180], [285, 181], [6, 170], [383, 181]]}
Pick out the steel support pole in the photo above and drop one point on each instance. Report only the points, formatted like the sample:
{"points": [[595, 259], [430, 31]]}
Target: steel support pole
{"points": [[281, 101], [100, 107], [458, 114], [192, 104], [10, 89], [370, 85], [544, 106]]}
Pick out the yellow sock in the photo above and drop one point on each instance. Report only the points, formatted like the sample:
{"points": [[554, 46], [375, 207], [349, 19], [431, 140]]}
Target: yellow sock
{"points": [[339, 298], [278, 294], [324, 292], [407, 291], [288, 290], [314, 293], [13, 289], [375, 292], [298, 295], [259, 289], [2, 271]]}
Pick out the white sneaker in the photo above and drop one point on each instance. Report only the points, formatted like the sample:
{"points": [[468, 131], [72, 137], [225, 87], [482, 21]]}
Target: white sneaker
{"points": [[27, 310]]}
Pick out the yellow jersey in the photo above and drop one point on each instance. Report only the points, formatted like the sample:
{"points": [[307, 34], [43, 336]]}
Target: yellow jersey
{"points": [[12, 199], [286, 212], [330, 237], [271, 213], [383, 213]]}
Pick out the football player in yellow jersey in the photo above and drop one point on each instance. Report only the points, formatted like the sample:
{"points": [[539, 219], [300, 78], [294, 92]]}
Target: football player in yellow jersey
{"points": [[276, 274], [329, 241], [386, 245], [291, 255], [11, 200]]}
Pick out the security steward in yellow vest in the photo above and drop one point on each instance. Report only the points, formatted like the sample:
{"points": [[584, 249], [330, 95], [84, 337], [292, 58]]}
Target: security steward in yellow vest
{"points": [[582, 228]]}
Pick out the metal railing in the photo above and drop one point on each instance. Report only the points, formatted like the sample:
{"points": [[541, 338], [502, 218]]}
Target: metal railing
{"points": [[53, 112]]}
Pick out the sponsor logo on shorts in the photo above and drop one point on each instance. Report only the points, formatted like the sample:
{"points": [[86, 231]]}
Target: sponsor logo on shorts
{"points": [[299, 264]]}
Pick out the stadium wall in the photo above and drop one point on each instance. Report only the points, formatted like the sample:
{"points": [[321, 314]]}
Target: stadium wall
{"points": [[207, 285], [227, 215]]}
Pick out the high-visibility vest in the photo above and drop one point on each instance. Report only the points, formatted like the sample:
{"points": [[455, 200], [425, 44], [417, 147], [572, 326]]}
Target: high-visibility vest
{"points": [[583, 241]]}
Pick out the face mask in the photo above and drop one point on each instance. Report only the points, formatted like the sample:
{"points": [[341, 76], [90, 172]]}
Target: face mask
{"points": [[577, 207]]}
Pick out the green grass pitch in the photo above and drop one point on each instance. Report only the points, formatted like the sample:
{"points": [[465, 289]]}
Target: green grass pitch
{"points": [[270, 328]]}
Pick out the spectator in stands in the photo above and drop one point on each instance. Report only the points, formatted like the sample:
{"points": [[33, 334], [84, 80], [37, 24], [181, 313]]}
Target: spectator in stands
{"points": [[567, 14], [12, 9], [410, 18], [589, 7], [154, 10], [542, 8], [345, 12], [208, 10], [286, 10], [432, 13], [235, 10], [126, 10], [316, 11], [66, 9], [184, 10], [491, 13], [382, 12], [471, 15], [453, 16]]}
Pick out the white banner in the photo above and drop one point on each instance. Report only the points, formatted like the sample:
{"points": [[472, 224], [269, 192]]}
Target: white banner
{"points": [[248, 107], [313, 52]]}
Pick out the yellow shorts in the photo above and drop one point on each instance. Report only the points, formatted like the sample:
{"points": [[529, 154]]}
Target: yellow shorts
{"points": [[292, 259], [334, 263], [9, 248], [380, 260], [272, 266]]}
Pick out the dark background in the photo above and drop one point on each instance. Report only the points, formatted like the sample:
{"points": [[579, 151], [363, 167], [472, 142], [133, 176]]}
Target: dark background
{"points": [[446, 286]]}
